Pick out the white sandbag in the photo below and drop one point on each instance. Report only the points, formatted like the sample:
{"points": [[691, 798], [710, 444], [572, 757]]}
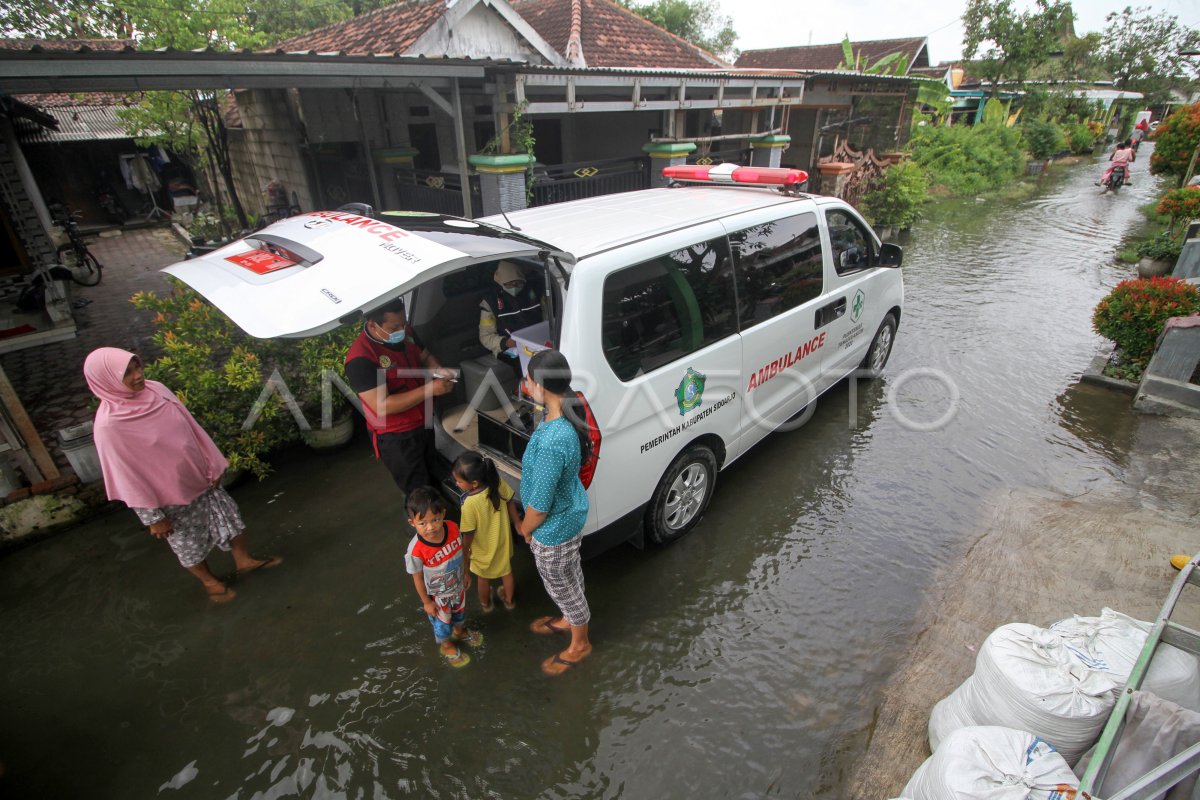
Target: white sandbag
{"points": [[1026, 679], [1155, 731], [1112, 643], [992, 763]]}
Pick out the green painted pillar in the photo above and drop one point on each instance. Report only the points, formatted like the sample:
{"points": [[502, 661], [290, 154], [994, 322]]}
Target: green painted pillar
{"points": [[501, 181], [665, 154], [767, 151]]}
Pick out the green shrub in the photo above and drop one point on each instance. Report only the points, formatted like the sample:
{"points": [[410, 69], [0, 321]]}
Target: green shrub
{"points": [[968, 160], [1163, 247], [219, 373], [1042, 139], [1134, 313], [898, 200], [1080, 138]]}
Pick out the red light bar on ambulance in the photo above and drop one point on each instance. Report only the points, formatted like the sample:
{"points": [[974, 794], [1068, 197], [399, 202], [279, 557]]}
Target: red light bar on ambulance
{"points": [[732, 173]]}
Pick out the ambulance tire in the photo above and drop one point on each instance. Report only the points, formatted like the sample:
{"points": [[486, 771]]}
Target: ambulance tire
{"points": [[881, 348], [682, 495]]}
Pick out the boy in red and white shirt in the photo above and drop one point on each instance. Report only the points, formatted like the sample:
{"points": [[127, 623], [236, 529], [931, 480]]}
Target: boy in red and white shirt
{"points": [[436, 560]]}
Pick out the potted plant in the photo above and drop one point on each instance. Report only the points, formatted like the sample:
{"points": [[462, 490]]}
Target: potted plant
{"points": [[219, 374], [322, 367], [1134, 314], [1158, 255], [896, 203], [204, 227]]}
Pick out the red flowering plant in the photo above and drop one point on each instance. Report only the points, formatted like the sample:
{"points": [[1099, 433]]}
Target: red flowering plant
{"points": [[1181, 203], [1135, 312], [1175, 140]]}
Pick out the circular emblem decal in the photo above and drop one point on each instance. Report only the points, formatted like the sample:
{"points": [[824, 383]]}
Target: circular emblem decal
{"points": [[385, 361], [690, 391], [312, 224]]}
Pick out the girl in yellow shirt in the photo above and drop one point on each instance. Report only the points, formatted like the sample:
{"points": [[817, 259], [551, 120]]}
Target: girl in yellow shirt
{"points": [[489, 514]]}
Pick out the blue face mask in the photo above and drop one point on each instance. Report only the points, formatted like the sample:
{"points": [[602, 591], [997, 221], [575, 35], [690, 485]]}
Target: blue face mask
{"points": [[514, 290], [396, 337]]}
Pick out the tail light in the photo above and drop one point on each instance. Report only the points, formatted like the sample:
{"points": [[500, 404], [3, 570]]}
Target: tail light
{"points": [[587, 469]]}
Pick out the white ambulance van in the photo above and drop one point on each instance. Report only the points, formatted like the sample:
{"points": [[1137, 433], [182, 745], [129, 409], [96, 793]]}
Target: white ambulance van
{"points": [[696, 318]]}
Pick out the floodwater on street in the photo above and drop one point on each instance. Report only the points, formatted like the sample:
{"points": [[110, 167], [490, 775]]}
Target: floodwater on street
{"points": [[745, 661]]}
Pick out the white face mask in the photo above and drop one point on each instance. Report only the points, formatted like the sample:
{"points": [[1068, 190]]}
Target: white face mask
{"points": [[514, 290]]}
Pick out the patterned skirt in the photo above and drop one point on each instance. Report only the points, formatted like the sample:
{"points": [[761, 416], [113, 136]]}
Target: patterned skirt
{"points": [[211, 520], [562, 573]]}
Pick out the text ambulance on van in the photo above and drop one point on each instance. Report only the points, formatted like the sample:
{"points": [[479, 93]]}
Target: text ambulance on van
{"points": [[696, 318]]}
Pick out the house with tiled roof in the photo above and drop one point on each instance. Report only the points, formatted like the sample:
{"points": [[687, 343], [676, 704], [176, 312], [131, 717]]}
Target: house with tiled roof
{"points": [[549, 32], [591, 81], [583, 95], [824, 57]]}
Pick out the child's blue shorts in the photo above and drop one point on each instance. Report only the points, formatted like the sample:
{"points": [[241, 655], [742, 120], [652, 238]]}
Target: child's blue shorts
{"points": [[443, 630]]}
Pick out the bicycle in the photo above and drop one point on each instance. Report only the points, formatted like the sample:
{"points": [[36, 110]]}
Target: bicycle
{"points": [[85, 268]]}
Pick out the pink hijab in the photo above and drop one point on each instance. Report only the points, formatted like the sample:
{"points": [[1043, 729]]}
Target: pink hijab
{"points": [[152, 452]]}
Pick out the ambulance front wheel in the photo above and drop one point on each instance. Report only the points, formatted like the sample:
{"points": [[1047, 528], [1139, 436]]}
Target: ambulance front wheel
{"points": [[682, 495], [881, 347]]}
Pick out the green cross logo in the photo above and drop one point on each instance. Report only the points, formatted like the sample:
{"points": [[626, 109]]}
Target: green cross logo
{"points": [[856, 309], [687, 396]]}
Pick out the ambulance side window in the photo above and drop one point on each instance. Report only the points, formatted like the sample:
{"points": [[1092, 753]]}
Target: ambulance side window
{"points": [[662, 309], [853, 249], [779, 266]]}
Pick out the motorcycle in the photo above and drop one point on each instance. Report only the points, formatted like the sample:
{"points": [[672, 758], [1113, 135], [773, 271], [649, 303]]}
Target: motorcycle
{"points": [[1116, 179]]}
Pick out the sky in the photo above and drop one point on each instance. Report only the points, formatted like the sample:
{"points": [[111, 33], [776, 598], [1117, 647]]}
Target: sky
{"points": [[786, 23]]}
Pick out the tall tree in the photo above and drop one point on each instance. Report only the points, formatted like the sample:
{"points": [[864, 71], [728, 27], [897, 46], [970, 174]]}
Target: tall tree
{"points": [[70, 19], [698, 21], [1005, 44], [1142, 52]]}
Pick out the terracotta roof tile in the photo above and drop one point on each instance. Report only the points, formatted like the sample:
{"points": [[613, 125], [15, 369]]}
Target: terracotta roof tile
{"points": [[828, 56], [613, 36], [68, 45], [77, 99], [390, 29]]}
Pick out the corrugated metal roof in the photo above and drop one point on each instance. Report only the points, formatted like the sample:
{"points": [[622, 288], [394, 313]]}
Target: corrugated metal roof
{"points": [[77, 124], [658, 72]]}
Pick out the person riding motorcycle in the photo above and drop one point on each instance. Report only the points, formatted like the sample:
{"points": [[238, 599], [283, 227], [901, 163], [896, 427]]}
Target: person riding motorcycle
{"points": [[1123, 156]]}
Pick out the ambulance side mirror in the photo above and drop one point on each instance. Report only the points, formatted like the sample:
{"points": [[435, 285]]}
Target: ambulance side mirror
{"points": [[890, 255]]}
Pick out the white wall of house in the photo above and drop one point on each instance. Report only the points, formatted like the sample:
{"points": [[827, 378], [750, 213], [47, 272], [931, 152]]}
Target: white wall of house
{"points": [[481, 33]]}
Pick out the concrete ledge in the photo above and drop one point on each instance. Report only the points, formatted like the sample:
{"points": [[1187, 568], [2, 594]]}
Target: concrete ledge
{"points": [[1094, 375]]}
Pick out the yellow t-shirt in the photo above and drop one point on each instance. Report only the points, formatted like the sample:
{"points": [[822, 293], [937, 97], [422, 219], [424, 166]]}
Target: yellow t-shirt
{"points": [[491, 552]]}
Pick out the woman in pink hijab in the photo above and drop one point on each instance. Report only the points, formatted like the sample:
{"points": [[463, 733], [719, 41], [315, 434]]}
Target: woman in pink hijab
{"points": [[160, 463]]}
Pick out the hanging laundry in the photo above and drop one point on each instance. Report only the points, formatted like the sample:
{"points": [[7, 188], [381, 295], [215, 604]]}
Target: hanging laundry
{"points": [[144, 179]]}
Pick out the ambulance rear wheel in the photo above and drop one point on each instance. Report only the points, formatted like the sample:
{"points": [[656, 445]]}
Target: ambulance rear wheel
{"points": [[881, 347], [682, 495]]}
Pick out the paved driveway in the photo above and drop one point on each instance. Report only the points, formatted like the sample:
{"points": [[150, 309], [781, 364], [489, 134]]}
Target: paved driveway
{"points": [[49, 378]]}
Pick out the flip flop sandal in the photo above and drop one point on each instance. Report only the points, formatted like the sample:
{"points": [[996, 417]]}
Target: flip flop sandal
{"points": [[473, 638], [224, 596], [507, 605], [458, 659], [263, 563], [542, 627], [558, 659]]}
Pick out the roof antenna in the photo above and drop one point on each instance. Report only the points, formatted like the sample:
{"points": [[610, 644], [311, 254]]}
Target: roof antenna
{"points": [[514, 227]]}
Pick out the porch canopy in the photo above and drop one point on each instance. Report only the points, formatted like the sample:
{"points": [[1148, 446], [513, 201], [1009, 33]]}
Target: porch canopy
{"points": [[43, 71]]}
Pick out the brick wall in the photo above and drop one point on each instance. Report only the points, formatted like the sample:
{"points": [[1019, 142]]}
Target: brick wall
{"points": [[267, 147]]}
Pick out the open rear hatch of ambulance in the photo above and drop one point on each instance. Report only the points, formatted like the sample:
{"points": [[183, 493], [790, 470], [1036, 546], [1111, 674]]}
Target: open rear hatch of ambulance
{"points": [[309, 273]]}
